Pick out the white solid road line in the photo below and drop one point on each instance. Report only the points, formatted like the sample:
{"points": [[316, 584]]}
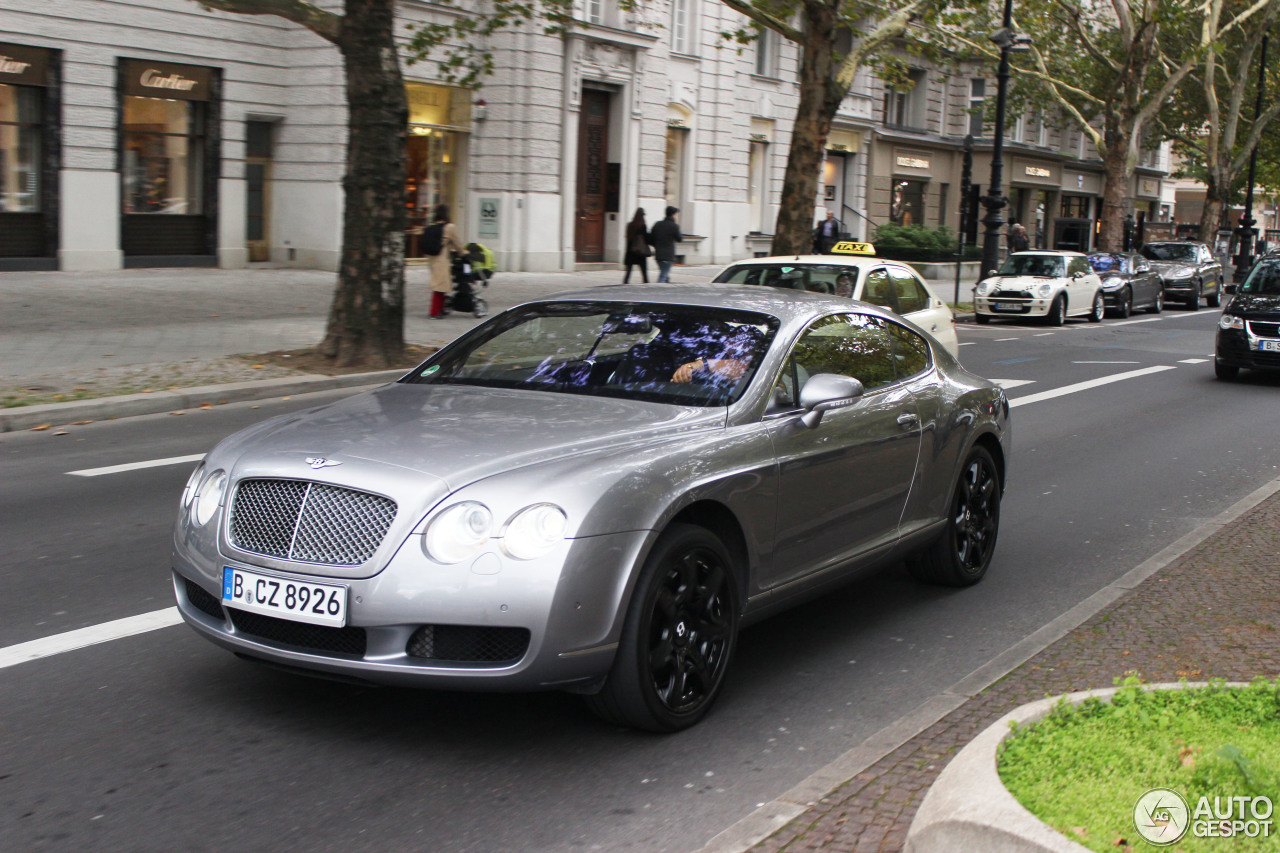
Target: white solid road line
{"points": [[1013, 383], [94, 634], [134, 466], [1085, 386]]}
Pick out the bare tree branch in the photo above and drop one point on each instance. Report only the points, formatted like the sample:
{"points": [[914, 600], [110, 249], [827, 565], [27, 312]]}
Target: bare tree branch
{"points": [[764, 19], [324, 24]]}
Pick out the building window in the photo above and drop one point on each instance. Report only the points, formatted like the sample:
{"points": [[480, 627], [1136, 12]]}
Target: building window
{"points": [[163, 156], [977, 108], [905, 109], [673, 168], [767, 53], [757, 171], [1075, 207], [21, 144], [943, 191], [682, 26], [906, 203]]}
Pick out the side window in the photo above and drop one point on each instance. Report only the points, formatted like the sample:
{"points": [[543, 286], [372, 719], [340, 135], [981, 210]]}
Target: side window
{"points": [[910, 351], [1079, 265], [879, 289], [848, 344], [911, 295]]}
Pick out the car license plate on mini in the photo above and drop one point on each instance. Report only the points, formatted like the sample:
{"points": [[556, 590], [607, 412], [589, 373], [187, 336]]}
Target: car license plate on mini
{"points": [[299, 601], [1269, 346], [1006, 306]]}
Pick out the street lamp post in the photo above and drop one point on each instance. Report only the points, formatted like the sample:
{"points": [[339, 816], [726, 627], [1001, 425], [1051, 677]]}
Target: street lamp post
{"points": [[1247, 232], [994, 200]]}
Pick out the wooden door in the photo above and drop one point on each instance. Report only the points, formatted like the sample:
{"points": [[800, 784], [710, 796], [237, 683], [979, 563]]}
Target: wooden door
{"points": [[593, 155]]}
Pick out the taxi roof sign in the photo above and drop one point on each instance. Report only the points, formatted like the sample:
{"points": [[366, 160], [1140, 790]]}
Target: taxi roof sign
{"points": [[846, 247]]}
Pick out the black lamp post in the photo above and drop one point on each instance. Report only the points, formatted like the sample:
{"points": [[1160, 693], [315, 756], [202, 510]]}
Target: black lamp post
{"points": [[1247, 232], [966, 175], [994, 200]]}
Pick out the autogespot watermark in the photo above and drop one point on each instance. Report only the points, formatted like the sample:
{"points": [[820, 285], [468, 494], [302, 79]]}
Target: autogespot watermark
{"points": [[1162, 817]]}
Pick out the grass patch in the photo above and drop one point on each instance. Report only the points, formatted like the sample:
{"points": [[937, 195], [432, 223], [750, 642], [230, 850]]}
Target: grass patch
{"points": [[961, 307], [1083, 768]]}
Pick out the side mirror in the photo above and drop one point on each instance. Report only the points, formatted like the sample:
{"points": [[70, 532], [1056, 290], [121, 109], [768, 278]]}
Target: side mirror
{"points": [[1230, 288], [990, 273], [823, 392]]}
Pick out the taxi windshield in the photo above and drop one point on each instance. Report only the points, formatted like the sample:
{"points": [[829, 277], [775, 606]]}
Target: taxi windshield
{"points": [[816, 278]]}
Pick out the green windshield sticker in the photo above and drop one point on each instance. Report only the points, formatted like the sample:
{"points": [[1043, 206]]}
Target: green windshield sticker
{"points": [[430, 370]]}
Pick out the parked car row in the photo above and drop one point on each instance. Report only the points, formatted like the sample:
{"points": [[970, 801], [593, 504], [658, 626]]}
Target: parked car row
{"points": [[1054, 284]]}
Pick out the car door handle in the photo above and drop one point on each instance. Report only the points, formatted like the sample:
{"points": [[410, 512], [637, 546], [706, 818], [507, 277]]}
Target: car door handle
{"points": [[907, 419]]}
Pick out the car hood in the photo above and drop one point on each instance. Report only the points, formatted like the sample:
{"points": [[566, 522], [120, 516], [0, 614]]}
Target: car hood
{"points": [[1024, 281], [1173, 269], [459, 434], [1257, 306]]}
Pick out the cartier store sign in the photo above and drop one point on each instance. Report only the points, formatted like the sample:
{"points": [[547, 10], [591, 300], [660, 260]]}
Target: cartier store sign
{"points": [[167, 80], [28, 66]]}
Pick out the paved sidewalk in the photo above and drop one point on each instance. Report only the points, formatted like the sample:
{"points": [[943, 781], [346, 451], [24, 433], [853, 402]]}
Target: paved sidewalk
{"points": [[1212, 612]]}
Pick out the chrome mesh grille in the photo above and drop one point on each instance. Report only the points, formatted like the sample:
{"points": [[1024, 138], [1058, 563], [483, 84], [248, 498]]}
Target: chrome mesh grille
{"points": [[309, 522], [1265, 330]]}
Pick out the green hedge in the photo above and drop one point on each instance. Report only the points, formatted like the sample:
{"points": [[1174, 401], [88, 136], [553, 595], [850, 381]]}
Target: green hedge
{"points": [[919, 243]]}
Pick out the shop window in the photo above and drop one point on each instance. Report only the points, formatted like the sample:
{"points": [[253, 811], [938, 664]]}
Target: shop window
{"points": [[163, 156], [906, 203], [757, 165], [21, 135], [1075, 206]]}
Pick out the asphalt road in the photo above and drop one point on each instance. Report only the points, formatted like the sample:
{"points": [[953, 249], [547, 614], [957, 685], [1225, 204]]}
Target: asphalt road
{"points": [[160, 741]]}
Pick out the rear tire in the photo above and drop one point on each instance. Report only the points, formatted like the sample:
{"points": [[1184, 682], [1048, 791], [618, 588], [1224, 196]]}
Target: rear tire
{"points": [[678, 639], [961, 555]]}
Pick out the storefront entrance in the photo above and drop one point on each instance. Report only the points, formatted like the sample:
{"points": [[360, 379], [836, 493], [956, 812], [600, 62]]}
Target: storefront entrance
{"points": [[30, 137], [593, 156], [439, 117]]}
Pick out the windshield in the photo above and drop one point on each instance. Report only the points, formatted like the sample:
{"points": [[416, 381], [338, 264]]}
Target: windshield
{"points": [[686, 355], [1045, 266], [1108, 263], [818, 278], [1263, 280], [1169, 252]]}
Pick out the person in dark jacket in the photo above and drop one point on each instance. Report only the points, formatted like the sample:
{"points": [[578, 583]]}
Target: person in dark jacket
{"points": [[827, 234], [664, 235], [637, 251], [1016, 236]]}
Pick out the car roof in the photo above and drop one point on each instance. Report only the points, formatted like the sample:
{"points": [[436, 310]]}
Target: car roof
{"points": [[858, 261], [1056, 253], [784, 303]]}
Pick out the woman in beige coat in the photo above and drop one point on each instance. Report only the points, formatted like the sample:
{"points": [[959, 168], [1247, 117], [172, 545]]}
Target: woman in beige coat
{"points": [[441, 264]]}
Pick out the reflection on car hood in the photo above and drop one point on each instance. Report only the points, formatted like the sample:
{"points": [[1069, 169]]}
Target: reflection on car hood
{"points": [[462, 433], [1257, 306], [1173, 269]]}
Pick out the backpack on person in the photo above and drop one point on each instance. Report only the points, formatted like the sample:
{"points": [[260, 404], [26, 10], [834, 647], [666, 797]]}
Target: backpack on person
{"points": [[431, 242]]}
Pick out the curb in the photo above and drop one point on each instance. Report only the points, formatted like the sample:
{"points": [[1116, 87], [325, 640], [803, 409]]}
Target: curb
{"points": [[130, 405], [969, 808], [770, 817]]}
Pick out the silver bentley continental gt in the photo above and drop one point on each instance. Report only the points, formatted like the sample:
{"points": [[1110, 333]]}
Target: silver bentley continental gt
{"points": [[593, 492]]}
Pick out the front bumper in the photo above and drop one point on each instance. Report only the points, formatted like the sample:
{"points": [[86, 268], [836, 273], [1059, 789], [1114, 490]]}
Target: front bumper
{"points": [[1006, 306], [1242, 348], [492, 623]]}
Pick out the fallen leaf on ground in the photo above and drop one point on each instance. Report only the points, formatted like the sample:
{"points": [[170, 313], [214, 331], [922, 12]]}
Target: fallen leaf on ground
{"points": [[41, 427], [177, 413], [80, 423], [206, 405]]}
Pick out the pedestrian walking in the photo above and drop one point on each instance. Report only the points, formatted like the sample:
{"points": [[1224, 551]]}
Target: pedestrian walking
{"points": [[637, 251], [664, 235], [1016, 237], [827, 234], [438, 242]]}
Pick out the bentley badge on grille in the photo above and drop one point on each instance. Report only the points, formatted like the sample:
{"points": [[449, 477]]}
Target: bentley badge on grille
{"points": [[319, 462]]}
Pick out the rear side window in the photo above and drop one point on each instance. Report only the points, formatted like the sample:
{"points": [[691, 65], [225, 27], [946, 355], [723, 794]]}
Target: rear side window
{"points": [[879, 289], [910, 351]]}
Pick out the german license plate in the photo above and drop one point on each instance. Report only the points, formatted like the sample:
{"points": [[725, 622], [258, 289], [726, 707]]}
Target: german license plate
{"points": [[1269, 346], [300, 601], [1006, 306]]}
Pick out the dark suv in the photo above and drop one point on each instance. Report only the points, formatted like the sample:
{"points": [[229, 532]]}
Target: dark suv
{"points": [[1249, 330], [1189, 270]]}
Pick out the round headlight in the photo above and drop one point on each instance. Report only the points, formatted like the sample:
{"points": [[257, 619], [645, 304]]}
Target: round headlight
{"points": [[209, 497], [984, 287], [461, 531], [1112, 283], [189, 491], [534, 531], [1230, 321], [1044, 290]]}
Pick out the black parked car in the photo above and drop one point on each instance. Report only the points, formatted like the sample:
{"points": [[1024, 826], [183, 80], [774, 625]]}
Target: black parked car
{"points": [[1189, 270], [1249, 331], [1128, 282]]}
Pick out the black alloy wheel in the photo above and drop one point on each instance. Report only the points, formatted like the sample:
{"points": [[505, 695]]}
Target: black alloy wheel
{"points": [[1124, 303], [961, 555], [1099, 308], [679, 636]]}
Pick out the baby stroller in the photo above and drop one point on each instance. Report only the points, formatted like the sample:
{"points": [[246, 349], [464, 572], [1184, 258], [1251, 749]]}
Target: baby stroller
{"points": [[465, 276]]}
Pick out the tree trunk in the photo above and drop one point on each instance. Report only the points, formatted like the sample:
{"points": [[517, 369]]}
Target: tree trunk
{"points": [[820, 98], [366, 320], [1115, 195], [1217, 201]]}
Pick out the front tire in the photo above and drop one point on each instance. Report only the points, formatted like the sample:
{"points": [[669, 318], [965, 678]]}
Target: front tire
{"points": [[679, 636], [1057, 314], [1099, 308], [1225, 372], [1124, 304], [1215, 301], [1158, 305], [1193, 304], [981, 319], [961, 555]]}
